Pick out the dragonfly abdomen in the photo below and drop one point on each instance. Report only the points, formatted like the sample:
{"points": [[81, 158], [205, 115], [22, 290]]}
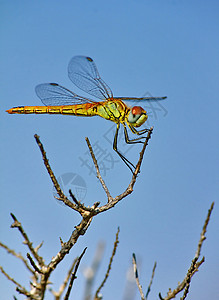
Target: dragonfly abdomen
{"points": [[76, 110], [34, 110]]}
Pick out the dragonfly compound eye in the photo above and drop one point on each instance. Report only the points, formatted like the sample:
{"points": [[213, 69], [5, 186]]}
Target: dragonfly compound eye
{"points": [[137, 116], [137, 110], [134, 114]]}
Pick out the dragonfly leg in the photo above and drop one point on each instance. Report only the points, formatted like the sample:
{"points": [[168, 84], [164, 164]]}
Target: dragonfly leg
{"points": [[135, 131], [126, 161], [133, 141]]}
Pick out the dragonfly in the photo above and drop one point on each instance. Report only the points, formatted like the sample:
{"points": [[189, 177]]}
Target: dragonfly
{"points": [[83, 72]]}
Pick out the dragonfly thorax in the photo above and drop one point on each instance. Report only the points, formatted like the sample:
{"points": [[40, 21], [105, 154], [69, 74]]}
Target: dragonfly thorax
{"points": [[137, 116]]}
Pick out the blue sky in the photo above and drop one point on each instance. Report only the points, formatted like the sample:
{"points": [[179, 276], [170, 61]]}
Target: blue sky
{"points": [[165, 48]]}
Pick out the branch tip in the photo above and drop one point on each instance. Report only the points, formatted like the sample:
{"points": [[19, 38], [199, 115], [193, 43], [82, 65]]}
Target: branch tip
{"points": [[109, 265]]}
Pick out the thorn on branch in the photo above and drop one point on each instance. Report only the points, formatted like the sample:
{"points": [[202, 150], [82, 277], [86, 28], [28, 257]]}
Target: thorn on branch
{"points": [[61, 242], [38, 247], [16, 223]]}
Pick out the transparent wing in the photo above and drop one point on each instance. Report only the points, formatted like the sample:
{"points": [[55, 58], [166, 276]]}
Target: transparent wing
{"points": [[84, 74], [141, 99], [55, 94]]}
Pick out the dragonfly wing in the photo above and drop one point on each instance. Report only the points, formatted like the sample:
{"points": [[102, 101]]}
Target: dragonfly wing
{"points": [[84, 74], [55, 94], [141, 99]]}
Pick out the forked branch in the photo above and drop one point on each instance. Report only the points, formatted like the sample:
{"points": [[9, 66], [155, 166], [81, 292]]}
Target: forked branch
{"points": [[195, 264], [135, 267], [41, 271], [89, 212]]}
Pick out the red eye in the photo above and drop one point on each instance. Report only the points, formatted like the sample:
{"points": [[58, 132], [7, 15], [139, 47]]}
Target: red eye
{"points": [[137, 110]]}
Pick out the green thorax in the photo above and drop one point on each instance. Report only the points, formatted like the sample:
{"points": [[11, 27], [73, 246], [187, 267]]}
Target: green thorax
{"points": [[114, 110]]}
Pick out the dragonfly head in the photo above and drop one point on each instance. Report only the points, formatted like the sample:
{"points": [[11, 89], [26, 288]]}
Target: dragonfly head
{"points": [[137, 116]]}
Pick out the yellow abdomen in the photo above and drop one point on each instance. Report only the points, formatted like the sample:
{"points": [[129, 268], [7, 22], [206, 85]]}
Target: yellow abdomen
{"points": [[86, 109]]}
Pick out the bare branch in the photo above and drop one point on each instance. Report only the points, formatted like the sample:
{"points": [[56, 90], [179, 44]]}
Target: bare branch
{"points": [[23, 291], [98, 171], [18, 255], [77, 207], [185, 284], [113, 201], [52, 176], [137, 170], [197, 254], [47, 165], [10, 278], [33, 264], [66, 247], [87, 214], [136, 276], [151, 281], [81, 205], [65, 282], [96, 297], [73, 277], [204, 229], [26, 240]]}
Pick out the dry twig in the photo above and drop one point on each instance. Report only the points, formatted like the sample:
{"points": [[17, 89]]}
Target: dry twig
{"points": [[18, 255], [41, 270], [185, 284], [134, 261], [18, 225], [98, 170], [73, 276], [33, 264], [113, 201], [96, 297], [62, 287], [87, 213], [10, 278], [136, 276], [151, 281]]}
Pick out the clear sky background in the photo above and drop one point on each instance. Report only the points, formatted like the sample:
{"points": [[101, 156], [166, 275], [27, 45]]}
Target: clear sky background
{"points": [[165, 48]]}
